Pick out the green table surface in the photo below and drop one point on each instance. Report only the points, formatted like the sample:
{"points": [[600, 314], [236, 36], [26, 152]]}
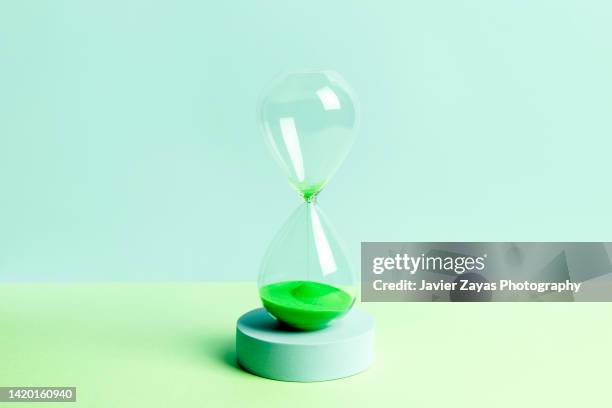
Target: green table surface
{"points": [[172, 345]]}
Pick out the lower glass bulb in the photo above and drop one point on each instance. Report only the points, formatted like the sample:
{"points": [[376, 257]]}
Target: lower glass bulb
{"points": [[305, 280]]}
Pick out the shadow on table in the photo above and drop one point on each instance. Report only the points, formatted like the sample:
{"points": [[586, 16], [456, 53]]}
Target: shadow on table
{"points": [[221, 349]]}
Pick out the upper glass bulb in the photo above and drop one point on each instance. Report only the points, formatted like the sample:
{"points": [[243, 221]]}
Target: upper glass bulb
{"points": [[309, 119]]}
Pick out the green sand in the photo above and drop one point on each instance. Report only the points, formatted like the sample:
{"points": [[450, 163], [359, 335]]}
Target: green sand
{"points": [[309, 191], [305, 305]]}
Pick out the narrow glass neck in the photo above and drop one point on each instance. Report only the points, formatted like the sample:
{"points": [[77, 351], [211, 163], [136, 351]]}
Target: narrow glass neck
{"points": [[310, 191], [311, 199]]}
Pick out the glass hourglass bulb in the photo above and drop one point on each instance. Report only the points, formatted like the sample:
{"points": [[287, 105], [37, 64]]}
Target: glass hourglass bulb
{"points": [[309, 120]]}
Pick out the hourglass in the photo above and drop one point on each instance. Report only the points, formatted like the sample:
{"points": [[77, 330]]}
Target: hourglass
{"points": [[307, 288], [309, 121]]}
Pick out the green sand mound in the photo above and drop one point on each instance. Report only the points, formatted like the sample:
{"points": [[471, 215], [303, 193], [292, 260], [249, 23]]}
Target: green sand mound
{"points": [[305, 305]]}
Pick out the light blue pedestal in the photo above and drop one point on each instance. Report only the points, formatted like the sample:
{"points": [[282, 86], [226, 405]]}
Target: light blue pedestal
{"points": [[268, 349]]}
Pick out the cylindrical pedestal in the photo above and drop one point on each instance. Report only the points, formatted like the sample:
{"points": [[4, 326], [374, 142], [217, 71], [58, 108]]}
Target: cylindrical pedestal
{"points": [[268, 349]]}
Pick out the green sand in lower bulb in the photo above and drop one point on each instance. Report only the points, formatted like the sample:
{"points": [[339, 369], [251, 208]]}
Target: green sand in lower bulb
{"points": [[305, 305]]}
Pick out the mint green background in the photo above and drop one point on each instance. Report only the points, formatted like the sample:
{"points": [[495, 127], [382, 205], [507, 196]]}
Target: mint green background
{"points": [[129, 148]]}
